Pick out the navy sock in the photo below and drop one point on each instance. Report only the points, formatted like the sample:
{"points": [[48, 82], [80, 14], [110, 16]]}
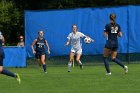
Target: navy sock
{"points": [[118, 62], [106, 64], [44, 67], [8, 73]]}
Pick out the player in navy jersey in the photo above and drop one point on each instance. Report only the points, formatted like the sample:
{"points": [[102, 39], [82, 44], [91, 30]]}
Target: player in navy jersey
{"points": [[39, 50], [3, 70], [111, 32]]}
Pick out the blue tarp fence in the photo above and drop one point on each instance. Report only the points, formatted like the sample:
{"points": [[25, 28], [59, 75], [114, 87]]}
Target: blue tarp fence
{"points": [[57, 24], [15, 56]]}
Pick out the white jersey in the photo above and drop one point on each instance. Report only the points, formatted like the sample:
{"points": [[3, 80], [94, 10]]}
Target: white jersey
{"points": [[75, 40]]}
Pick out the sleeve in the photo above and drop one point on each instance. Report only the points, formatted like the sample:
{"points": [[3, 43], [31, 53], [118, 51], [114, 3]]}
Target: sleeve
{"points": [[81, 34], [69, 36], [106, 28]]}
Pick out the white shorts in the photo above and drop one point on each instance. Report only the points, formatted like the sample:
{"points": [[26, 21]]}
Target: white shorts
{"points": [[77, 51]]}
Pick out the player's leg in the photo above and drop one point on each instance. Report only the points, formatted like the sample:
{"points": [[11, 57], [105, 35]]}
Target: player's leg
{"points": [[70, 60], [8, 73], [38, 57], [106, 54], [43, 62], [39, 62], [116, 60], [78, 56]]}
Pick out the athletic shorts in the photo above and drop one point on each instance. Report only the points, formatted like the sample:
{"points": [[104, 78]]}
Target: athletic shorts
{"points": [[112, 45], [39, 54], [77, 51], [112, 48]]}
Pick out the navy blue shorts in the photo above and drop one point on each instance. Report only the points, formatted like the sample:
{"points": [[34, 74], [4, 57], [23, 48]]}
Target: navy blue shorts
{"points": [[112, 48], [1, 56], [39, 54], [112, 45]]}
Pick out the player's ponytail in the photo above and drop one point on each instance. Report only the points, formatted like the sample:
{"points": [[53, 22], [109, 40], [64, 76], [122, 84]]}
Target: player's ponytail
{"points": [[113, 19]]}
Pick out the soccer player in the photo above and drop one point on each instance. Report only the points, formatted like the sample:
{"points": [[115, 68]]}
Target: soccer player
{"points": [[39, 50], [3, 70], [111, 32], [75, 37]]}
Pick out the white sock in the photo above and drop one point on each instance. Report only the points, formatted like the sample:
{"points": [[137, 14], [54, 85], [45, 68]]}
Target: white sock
{"points": [[69, 66], [80, 62]]}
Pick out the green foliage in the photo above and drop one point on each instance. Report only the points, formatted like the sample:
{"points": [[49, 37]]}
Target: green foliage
{"points": [[9, 21]]}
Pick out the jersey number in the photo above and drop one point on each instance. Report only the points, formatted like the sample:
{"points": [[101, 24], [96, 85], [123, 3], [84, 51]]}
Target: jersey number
{"points": [[114, 30], [40, 46]]}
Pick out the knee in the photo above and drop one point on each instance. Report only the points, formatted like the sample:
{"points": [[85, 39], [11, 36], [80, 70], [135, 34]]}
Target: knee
{"points": [[77, 60], [113, 59]]}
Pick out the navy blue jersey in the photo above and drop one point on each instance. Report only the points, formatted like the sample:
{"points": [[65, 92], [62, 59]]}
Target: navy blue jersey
{"points": [[1, 51], [40, 45], [112, 35]]}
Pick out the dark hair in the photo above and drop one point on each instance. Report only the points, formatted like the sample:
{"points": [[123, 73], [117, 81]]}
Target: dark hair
{"points": [[113, 18], [40, 31], [74, 25]]}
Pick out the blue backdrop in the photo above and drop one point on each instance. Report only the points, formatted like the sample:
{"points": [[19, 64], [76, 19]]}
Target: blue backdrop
{"points": [[15, 57], [91, 21]]}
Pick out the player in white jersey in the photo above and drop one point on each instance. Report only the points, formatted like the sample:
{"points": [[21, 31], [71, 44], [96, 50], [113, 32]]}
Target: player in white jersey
{"points": [[75, 39]]}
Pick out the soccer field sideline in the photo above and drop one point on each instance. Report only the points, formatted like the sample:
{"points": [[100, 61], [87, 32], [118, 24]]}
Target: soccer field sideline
{"points": [[90, 80]]}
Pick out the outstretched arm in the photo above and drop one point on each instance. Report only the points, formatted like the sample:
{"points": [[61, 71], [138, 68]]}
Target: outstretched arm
{"points": [[89, 37]]}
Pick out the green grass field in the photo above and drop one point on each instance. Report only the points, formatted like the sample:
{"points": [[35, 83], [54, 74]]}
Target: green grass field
{"points": [[90, 80]]}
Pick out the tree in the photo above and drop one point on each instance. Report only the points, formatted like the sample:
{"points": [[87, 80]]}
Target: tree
{"points": [[10, 21]]}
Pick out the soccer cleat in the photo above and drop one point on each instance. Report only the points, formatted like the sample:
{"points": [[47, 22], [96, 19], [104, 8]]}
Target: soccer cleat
{"points": [[18, 78], [69, 71], [45, 72], [108, 74], [81, 66], [126, 69]]}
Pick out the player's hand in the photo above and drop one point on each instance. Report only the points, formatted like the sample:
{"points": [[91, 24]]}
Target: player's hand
{"points": [[49, 52], [34, 52], [92, 40], [120, 34], [67, 44]]}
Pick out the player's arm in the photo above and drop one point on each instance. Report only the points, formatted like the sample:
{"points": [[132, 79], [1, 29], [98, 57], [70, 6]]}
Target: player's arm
{"points": [[33, 46], [120, 32], [85, 36], [105, 34], [67, 43], [47, 46], [3, 40], [105, 31], [69, 38], [89, 37]]}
